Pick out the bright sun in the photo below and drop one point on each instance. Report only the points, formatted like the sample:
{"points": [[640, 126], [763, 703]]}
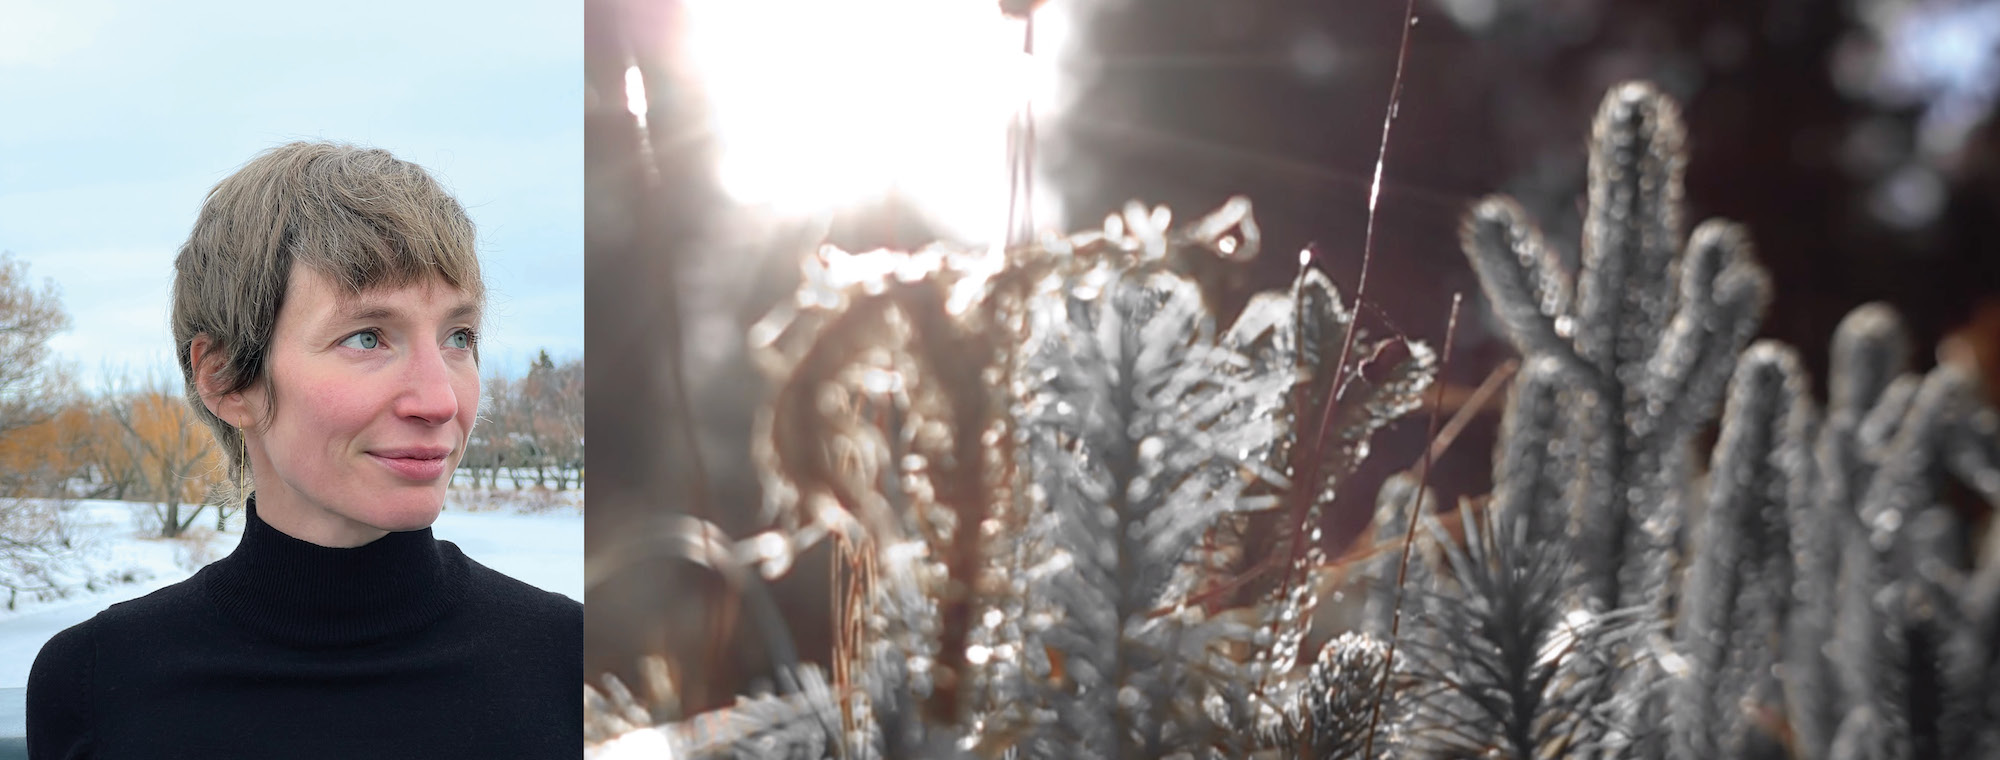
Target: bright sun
{"points": [[821, 105]]}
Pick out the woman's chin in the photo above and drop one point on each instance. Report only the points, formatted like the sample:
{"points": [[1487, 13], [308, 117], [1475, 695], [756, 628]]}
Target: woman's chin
{"points": [[406, 512], [411, 521]]}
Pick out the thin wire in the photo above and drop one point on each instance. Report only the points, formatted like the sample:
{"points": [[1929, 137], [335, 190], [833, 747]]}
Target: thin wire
{"points": [[1374, 200], [1294, 550]]}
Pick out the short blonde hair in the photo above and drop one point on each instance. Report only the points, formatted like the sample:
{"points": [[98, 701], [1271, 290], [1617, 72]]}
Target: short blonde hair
{"points": [[358, 216]]}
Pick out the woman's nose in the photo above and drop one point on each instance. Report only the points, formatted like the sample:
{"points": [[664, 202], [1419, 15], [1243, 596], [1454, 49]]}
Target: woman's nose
{"points": [[429, 395]]}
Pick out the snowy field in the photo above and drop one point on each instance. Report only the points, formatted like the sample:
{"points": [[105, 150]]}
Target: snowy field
{"points": [[538, 539]]}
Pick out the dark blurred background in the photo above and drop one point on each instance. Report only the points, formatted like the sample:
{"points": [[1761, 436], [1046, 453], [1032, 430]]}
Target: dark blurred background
{"points": [[1856, 138]]}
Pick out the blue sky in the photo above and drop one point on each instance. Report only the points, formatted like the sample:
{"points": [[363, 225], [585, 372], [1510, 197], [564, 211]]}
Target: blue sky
{"points": [[117, 117]]}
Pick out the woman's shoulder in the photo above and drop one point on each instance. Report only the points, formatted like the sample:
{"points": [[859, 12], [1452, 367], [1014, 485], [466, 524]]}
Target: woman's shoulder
{"points": [[154, 617], [59, 702], [159, 607], [61, 680], [488, 586]]}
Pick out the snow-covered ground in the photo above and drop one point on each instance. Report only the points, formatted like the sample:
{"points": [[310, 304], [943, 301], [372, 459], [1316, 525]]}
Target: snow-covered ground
{"points": [[538, 540]]}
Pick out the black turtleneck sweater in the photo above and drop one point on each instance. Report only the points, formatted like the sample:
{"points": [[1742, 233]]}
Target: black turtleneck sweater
{"points": [[402, 648]]}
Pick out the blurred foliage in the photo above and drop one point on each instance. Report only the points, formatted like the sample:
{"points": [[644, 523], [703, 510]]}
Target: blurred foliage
{"points": [[1189, 102]]}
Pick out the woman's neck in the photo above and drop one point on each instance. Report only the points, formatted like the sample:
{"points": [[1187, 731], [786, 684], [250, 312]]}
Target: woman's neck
{"points": [[294, 590], [291, 515]]}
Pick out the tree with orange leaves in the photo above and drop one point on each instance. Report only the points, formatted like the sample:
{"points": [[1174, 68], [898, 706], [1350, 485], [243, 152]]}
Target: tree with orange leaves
{"points": [[177, 459], [46, 453]]}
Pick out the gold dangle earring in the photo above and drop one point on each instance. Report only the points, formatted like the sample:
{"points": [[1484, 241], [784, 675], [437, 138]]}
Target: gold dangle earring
{"points": [[242, 463]]}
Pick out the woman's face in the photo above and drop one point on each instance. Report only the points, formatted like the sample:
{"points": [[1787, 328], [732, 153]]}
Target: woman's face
{"points": [[375, 395]]}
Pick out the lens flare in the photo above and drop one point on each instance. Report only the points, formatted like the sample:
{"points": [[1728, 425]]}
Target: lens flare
{"points": [[819, 106], [635, 93]]}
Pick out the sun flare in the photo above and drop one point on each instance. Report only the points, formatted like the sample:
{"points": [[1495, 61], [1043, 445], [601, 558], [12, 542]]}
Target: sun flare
{"points": [[820, 106]]}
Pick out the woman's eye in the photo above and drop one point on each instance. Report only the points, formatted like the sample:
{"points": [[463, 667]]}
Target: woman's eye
{"points": [[362, 340], [460, 339]]}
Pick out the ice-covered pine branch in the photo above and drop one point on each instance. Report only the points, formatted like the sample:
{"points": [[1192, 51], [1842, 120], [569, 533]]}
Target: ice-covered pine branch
{"points": [[1646, 334], [1648, 338], [1738, 592]]}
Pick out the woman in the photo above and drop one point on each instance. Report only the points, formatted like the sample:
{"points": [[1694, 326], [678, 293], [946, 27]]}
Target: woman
{"points": [[326, 309]]}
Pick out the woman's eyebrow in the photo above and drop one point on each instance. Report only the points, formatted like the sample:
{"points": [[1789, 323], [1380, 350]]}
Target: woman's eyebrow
{"points": [[363, 313], [366, 312]]}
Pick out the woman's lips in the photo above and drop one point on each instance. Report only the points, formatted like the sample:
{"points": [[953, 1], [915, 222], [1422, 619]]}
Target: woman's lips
{"points": [[417, 466]]}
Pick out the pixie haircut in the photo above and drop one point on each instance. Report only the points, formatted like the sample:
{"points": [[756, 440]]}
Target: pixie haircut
{"points": [[360, 217]]}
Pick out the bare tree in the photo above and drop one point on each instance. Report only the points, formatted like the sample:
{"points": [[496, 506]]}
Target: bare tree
{"points": [[35, 535], [491, 440], [530, 428], [551, 398], [29, 317], [568, 409], [531, 397], [34, 529]]}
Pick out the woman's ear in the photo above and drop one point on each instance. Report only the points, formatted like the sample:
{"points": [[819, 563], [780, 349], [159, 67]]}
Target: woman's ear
{"points": [[208, 361]]}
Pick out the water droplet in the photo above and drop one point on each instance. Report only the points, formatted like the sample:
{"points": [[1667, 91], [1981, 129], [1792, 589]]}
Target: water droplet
{"points": [[1129, 698], [1151, 448]]}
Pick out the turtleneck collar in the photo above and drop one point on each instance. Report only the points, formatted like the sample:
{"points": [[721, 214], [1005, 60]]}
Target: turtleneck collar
{"points": [[305, 594]]}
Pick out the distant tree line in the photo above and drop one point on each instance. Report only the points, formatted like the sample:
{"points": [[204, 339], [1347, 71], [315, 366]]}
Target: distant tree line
{"points": [[137, 440], [530, 429]]}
